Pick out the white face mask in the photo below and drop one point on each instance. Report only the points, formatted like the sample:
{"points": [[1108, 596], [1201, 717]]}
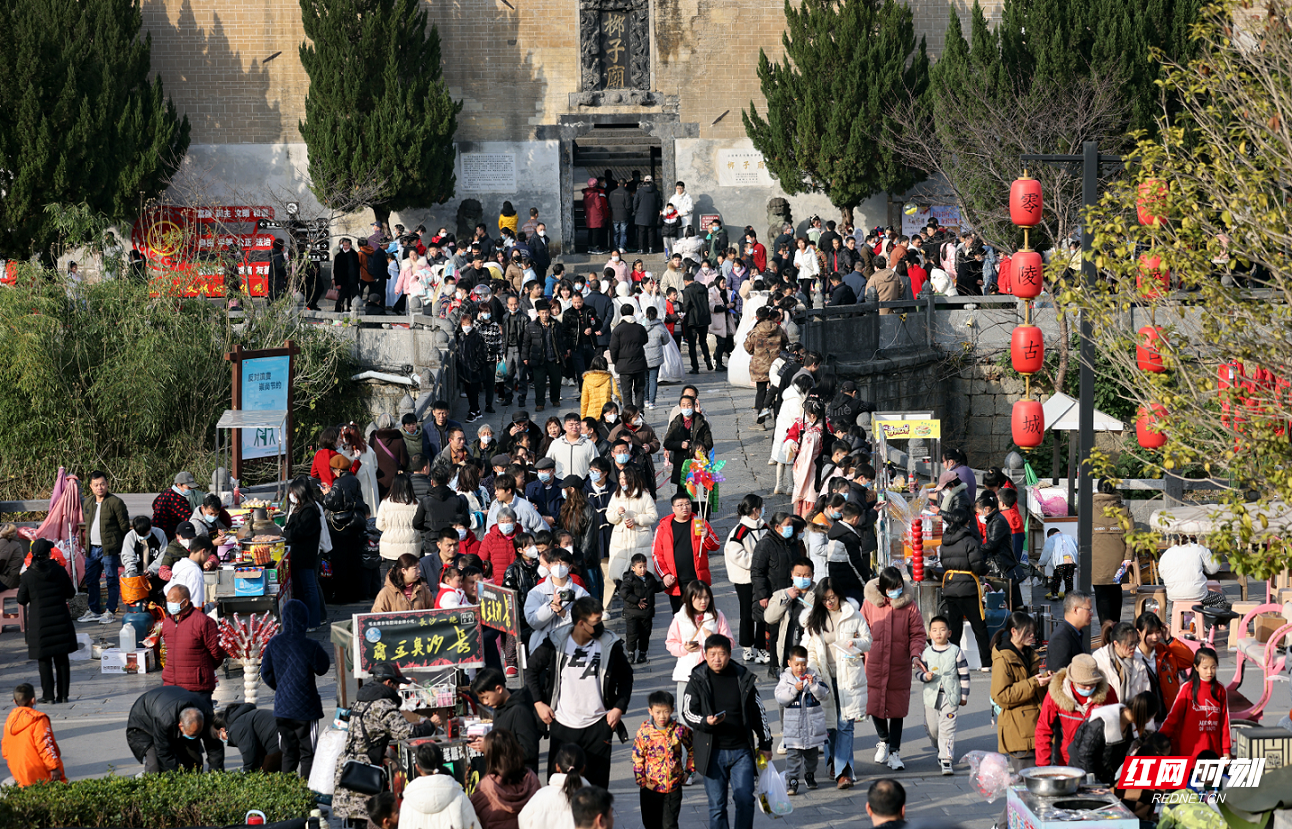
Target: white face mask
{"points": [[637, 421], [543, 572], [612, 417], [291, 496], [614, 259], [466, 329], [531, 552], [484, 439], [184, 542], [560, 571]]}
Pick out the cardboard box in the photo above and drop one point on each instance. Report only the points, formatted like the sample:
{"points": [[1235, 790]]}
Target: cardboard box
{"points": [[249, 581], [1274, 744], [117, 661], [1264, 625]]}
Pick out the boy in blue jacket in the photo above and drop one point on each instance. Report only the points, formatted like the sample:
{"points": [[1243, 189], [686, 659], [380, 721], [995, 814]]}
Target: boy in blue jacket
{"points": [[289, 664]]}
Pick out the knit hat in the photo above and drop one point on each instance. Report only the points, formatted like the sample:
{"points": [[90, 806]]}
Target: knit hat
{"points": [[1084, 670], [592, 182]]}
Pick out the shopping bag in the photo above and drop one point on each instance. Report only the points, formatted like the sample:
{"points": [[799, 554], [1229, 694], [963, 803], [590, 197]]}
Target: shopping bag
{"points": [[330, 745], [670, 371], [773, 799]]}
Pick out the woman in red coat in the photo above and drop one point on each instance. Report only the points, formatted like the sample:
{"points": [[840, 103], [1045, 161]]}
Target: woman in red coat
{"points": [[321, 468], [1075, 691], [898, 639]]}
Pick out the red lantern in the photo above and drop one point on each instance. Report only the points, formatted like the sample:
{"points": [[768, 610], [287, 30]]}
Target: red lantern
{"points": [[1027, 349], [1148, 354], [1150, 204], [1026, 274], [1025, 202], [1149, 418], [1027, 424], [1153, 282]]}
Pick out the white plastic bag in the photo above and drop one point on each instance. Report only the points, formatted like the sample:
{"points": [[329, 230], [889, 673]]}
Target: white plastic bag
{"points": [[990, 773], [773, 798], [326, 754], [82, 651], [969, 646], [670, 371]]}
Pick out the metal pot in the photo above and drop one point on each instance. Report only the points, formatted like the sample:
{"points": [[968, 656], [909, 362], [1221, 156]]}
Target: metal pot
{"points": [[1052, 781]]}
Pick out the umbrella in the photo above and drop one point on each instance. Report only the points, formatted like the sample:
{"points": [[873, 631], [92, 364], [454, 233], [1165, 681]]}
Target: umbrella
{"points": [[64, 518]]}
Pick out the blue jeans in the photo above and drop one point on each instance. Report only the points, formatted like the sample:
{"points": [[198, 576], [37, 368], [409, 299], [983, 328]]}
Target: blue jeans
{"points": [[96, 564], [838, 741], [621, 235], [734, 767], [305, 586], [652, 383]]}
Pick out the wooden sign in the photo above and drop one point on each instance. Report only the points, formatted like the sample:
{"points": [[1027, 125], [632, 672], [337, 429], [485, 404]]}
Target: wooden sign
{"points": [[418, 639], [498, 608], [271, 392]]}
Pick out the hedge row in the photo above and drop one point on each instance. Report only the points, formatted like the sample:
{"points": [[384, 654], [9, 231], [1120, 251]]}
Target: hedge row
{"points": [[156, 801]]}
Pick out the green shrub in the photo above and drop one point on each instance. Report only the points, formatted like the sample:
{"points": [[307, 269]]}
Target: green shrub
{"points": [[157, 801]]}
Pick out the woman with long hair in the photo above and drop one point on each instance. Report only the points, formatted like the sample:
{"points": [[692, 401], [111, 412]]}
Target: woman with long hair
{"points": [[579, 519], [806, 441], [550, 807], [507, 785], [468, 486], [392, 452], [632, 512], [791, 411], [405, 589], [898, 638], [44, 589], [395, 522], [723, 326], [302, 532], [320, 467], [354, 447], [1121, 661], [1019, 682], [698, 619], [739, 556], [836, 635], [552, 431]]}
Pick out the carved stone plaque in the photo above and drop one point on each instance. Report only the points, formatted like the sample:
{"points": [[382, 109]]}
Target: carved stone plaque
{"points": [[614, 37]]}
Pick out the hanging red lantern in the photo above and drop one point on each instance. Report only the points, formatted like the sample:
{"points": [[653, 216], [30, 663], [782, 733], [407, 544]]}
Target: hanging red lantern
{"points": [[1148, 349], [1025, 202], [1150, 203], [1149, 417], [1027, 349], [1153, 281], [1027, 274], [1027, 424]]}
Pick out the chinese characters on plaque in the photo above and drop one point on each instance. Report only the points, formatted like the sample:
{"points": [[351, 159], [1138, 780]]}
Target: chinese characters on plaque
{"points": [[742, 168], [615, 49]]}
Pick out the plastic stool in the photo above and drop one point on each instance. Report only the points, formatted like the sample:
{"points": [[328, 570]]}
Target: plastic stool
{"points": [[1179, 610], [5, 617]]}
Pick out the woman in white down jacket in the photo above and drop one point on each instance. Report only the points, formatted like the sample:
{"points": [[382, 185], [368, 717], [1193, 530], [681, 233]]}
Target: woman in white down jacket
{"points": [[791, 411], [833, 628], [395, 521], [739, 556], [632, 512], [549, 808]]}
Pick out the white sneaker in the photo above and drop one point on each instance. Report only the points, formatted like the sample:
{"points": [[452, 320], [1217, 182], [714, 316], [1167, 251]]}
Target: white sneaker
{"points": [[650, 405], [881, 752], [765, 657], [895, 761], [107, 618], [750, 655], [88, 616], [780, 747]]}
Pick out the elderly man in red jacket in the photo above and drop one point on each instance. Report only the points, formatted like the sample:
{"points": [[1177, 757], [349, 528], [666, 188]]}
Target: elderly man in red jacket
{"points": [[682, 554], [193, 652]]}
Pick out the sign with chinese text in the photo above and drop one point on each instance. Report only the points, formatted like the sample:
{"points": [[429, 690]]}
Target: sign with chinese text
{"points": [[244, 241], [948, 216], [418, 639], [264, 388], [742, 168], [498, 608], [614, 49], [232, 213], [906, 429], [488, 172]]}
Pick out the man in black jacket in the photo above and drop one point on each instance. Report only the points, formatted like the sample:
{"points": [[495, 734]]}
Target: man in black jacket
{"points": [[167, 729], [1065, 642], [512, 710], [998, 546], [345, 276], [628, 356], [848, 562], [543, 351], [962, 559], [687, 432], [441, 509], [601, 305], [647, 205], [582, 326], [723, 709], [696, 318], [840, 294], [253, 732], [847, 405], [513, 331], [582, 682]]}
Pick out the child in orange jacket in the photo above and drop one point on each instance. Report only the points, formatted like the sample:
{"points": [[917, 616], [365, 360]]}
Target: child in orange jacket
{"points": [[29, 746]]}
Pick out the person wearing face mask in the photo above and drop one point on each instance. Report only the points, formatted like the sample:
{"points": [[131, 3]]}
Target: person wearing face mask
{"points": [[771, 570], [835, 635], [506, 495], [499, 545], [522, 576], [1074, 692], [617, 264], [473, 365], [172, 507], [547, 606], [644, 440], [545, 493], [187, 568], [599, 488], [582, 683], [898, 640], [687, 434], [631, 511], [211, 519], [168, 728], [192, 641]]}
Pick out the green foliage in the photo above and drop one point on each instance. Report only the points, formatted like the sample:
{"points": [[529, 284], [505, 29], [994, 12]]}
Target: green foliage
{"points": [[82, 122], [157, 801], [379, 120], [101, 376], [845, 60]]}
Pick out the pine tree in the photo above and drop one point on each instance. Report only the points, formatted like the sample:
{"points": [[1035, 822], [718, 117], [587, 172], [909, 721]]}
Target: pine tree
{"points": [[846, 62], [379, 120], [82, 122]]}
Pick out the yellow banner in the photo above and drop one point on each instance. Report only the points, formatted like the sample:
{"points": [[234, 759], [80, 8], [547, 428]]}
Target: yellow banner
{"points": [[904, 429]]}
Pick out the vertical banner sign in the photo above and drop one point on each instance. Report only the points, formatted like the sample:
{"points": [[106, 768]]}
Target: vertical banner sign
{"points": [[498, 608], [264, 388]]}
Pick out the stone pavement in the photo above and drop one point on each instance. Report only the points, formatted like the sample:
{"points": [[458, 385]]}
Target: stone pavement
{"points": [[91, 727]]}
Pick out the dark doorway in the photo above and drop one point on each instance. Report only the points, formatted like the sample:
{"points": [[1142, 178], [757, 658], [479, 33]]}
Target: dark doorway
{"points": [[619, 148]]}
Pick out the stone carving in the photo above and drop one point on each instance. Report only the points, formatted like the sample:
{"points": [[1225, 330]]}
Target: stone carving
{"points": [[778, 215], [632, 32], [614, 97], [470, 212]]}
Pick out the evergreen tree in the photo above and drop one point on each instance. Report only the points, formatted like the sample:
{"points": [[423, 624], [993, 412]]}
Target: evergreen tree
{"points": [[379, 121], [846, 62], [82, 123]]}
